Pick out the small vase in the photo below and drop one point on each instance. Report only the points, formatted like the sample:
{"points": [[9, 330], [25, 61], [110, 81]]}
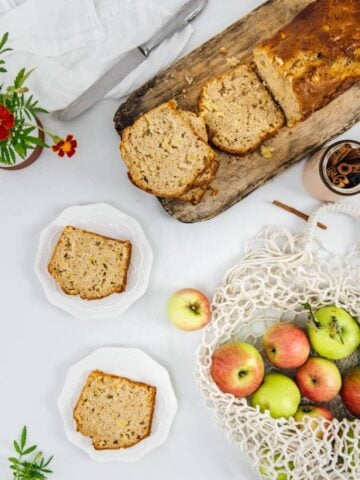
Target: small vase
{"points": [[35, 154]]}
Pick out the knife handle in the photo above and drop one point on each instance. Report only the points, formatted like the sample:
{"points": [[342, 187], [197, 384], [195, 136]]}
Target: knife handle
{"points": [[178, 21]]}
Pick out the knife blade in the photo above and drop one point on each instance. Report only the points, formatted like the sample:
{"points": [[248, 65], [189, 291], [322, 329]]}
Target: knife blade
{"points": [[129, 61]]}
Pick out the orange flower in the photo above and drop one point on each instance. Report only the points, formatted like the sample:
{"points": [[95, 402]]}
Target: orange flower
{"points": [[65, 146]]}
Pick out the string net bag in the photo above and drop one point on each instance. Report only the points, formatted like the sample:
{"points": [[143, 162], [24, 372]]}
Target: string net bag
{"points": [[277, 275]]}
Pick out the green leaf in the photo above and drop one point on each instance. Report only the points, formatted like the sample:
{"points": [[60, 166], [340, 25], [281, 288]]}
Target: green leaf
{"points": [[17, 447], [19, 149], [35, 140], [29, 450], [4, 39], [21, 77]]}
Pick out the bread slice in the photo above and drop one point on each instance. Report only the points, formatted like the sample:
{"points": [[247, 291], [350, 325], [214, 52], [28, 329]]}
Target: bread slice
{"points": [[207, 176], [238, 110], [195, 195], [113, 411], [90, 265], [163, 154], [199, 127], [196, 123]]}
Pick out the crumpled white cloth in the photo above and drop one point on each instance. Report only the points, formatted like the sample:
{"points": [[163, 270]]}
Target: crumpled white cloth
{"points": [[73, 42]]}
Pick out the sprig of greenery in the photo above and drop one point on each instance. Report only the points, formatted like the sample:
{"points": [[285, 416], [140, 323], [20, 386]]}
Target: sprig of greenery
{"points": [[29, 464], [24, 110]]}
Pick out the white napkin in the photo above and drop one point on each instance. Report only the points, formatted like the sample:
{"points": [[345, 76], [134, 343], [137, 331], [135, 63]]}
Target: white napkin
{"points": [[73, 42]]}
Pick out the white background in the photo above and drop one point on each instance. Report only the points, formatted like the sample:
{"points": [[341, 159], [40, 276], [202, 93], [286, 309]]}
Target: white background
{"points": [[38, 342]]}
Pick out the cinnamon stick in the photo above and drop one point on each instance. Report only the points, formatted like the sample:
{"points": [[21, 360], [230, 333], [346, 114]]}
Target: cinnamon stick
{"points": [[299, 214]]}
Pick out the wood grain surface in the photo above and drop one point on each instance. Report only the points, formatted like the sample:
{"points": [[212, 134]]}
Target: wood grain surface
{"points": [[239, 176]]}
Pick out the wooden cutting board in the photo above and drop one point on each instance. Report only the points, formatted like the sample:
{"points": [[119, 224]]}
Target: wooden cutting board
{"points": [[239, 176]]}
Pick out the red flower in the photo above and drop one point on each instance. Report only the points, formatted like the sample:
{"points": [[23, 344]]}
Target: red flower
{"points": [[65, 147], [7, 122]]}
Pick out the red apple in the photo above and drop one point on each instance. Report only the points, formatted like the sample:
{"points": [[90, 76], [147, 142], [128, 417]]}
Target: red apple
{"points": [[237, 368], [189, 309], [319, 379], [350, 392], [314, 411], [286, 345]]}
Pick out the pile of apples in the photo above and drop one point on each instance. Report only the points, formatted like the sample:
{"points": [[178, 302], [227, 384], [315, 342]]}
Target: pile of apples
{"points": [[238, 368]]}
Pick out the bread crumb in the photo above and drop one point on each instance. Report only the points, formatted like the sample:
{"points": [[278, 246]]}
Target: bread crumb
{"points": [[223, 50], [233, 61], [267, 152], [213, 190], [189, 80]]}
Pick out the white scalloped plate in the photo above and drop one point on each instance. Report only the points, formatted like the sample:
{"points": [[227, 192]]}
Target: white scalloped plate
{"points": [[106, 220], [136, 365]]}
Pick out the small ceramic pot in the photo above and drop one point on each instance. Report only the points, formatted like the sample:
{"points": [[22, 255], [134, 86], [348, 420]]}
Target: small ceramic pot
{"points": [[35, 154], [316, 180]]}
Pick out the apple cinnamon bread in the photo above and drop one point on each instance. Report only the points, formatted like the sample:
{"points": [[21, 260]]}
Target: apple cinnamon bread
{"points": [[314, 58], [113, 411], [163, 154], [239, 111], [90, 265]]}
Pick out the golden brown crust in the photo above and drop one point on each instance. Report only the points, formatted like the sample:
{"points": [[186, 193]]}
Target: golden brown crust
{"points": [[50, 268], [100, 373], [320, 51], [213, 168]]}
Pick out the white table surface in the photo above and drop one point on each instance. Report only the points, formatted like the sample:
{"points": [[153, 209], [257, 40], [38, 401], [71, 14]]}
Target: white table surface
{"points": [[38, 342]]}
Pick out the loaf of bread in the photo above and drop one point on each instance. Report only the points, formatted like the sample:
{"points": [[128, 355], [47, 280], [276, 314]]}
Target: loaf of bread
{"points": [[90, 265], [312, 59], [113, 411], [238, 111], [163, 154]]}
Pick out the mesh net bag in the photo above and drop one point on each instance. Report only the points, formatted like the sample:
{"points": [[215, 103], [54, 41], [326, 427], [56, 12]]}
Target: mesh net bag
{"points": [[277, 275]]}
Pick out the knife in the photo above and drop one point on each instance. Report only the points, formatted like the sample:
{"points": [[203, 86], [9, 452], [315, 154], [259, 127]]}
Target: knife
{"points": [[132, 59]]}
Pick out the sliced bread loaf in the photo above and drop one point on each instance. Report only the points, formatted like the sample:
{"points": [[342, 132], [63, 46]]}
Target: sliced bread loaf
{"points": [[90, 265], [163, 153], [312, 59], [113, 411], [238, 111]]}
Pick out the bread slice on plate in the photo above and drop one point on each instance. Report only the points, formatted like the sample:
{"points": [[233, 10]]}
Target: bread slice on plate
{"points": [[113, 411], [163, 154], [238, 110], [90, 265]]}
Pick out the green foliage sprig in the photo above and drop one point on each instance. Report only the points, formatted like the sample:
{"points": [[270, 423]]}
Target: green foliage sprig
{"points": [[18, 118], [28, 463]]}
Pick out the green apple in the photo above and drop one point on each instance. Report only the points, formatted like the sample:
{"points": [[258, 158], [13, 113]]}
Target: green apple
{"points": [[189, 309], [264, 468], [278, 394], [317, 412], [333, 333]]}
